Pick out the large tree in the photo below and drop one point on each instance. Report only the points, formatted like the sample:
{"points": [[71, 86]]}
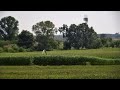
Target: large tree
{"points": [[79, 36], [25, 39], [44, 31], [46, 28], [8, 28]]}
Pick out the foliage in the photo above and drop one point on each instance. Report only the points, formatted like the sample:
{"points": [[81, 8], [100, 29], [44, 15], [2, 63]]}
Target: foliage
{"points": [[44, 31], [4, 43], [15, 61], [62, 60], [25, 39], [116, 43], [15, 47], [11, 48], [1, 50], [21, 49], [107, 56], [9, 28], [80, 36], [45, 28]]}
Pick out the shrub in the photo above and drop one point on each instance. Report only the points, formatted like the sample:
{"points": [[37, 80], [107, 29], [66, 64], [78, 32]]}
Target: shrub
{"points": [[57, 60], [15, 47], [3, 43], [15, 61], [1, 50], [10, 50], [62, 60], [21, 49], [29, 50]]}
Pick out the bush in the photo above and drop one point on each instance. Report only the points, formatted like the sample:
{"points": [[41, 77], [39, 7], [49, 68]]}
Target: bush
{"points": [[21, 49], [57, 60], [6, 47], [29, 50], [15, 47], [10, 50], [15, 61], [62, 60], [1, 50], [3, 43]]}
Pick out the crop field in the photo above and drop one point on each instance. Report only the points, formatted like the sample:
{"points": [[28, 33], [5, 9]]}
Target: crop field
{"points": [[60, 72], [104, 64]]}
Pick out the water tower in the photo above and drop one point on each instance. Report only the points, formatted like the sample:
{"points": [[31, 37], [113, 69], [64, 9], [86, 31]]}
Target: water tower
{"points": [[85, 18]]}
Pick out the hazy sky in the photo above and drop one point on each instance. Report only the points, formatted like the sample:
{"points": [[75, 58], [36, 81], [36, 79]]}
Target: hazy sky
{"points": [[101, 21]]}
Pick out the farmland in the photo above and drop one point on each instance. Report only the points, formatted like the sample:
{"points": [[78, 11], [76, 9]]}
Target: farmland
{"points": [[60, 72], [64, 71]]}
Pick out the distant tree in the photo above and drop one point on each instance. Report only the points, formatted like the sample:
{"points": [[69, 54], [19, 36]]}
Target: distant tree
{"points": [[65, 31], [117, 43], [25, 39], [78, 36], [8, 28], [103, 36], [45, 28], [44, 31]]}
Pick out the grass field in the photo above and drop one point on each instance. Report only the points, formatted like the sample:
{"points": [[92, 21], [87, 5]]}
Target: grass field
{"points": [[64, 72], [60, 72], [113, 53]]}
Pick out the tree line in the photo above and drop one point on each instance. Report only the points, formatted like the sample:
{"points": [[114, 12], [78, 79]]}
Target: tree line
{"points": [[76, 36]]}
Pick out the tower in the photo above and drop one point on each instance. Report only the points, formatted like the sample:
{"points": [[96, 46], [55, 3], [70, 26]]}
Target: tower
{"points": [[85, 18]]}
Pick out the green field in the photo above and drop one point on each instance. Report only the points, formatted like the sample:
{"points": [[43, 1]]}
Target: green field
{"points": [[60, 72], [113, 53], [63, 71]]}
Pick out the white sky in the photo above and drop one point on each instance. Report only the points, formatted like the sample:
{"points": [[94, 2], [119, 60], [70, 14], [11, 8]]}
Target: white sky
{"points": [[101, 21]]}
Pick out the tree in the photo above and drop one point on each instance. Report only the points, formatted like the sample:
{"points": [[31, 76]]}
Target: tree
{"points": [[65, 31], [79, 36], [45, 28], [44, 31], [8, 28], [25, 39]]}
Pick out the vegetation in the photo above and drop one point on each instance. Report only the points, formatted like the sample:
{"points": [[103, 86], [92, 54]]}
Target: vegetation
{"points": [[60, 72], [80, 47], [62, 60], [80, 36], [110, 53], [8, 28], [25, 39], [105, 56], [15, 61], [44, 31]]}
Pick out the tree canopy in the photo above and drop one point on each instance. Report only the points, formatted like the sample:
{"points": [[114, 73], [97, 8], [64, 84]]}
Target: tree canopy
{"points": [[8, 28], [25, 39], [78, 36], [44, 31]]}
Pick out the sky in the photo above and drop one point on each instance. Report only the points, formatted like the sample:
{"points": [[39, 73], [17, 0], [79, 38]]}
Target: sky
{"points": [[102, 21]]}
